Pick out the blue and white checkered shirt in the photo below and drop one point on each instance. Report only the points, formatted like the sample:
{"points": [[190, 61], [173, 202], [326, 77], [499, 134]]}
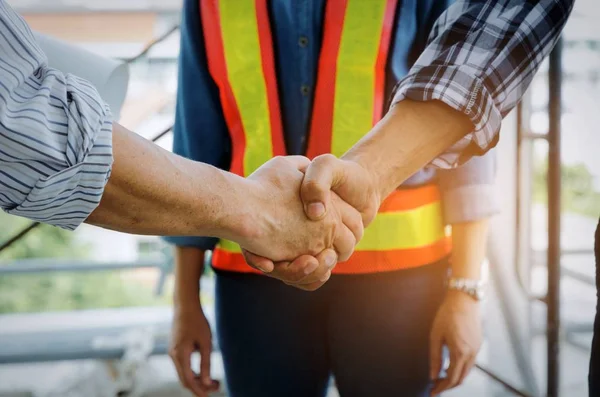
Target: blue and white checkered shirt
{"points": [[480, 58]]}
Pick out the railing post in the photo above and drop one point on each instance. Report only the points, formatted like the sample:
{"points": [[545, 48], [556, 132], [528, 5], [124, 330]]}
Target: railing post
{"points": [[554, 192]]}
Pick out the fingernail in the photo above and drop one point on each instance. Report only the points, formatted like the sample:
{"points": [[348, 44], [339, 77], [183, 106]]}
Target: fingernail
{"points": [[311, 267], [330, 259], [325, 276], [316, 210]]}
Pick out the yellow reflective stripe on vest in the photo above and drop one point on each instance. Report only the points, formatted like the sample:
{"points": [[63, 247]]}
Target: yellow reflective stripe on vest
{"points": [[392, 230], [355, 73], [403, 230], [244, 69], [229, 246]]}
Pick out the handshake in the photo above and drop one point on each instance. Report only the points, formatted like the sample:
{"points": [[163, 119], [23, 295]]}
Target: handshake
{"points": [[301, 217]]}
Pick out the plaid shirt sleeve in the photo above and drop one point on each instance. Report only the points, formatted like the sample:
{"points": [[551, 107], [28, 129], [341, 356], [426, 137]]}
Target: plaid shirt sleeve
{"points": [[480, 58]]}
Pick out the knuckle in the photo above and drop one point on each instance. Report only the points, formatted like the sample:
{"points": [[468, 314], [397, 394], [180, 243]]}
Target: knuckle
{"points": [[278, 159], [293, 277], [311, 185], [325, 159], [461, 351], [315, 246]]}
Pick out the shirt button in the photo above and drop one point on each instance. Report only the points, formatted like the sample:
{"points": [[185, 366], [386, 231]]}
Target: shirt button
{"points": [[305, 90], [303, 41]]}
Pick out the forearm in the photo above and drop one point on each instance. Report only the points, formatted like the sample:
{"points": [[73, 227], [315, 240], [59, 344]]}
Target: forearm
{"points": [[468, 248], [505, 42], [152, 191], [189, 265], [406, 139]]}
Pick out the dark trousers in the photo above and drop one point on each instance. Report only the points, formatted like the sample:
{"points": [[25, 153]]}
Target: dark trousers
{"points": [[594, 376], [370, 331]]}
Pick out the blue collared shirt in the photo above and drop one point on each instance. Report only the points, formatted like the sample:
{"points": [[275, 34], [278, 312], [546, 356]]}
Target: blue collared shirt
{"points": [[201, 133]]}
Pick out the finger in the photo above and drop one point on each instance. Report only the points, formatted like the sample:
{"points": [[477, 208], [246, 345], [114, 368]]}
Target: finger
{"points": [[351, 230], [258, 262], [452, 375], [327, 259], [300, 162], [313, 286], [324, 173], [205, 353], [435, 354], [351, 218], [179, 371], [297, 271], [189, 375], [300, 267], [182, 360], [207, 383], [344, 243], [467, 368]]}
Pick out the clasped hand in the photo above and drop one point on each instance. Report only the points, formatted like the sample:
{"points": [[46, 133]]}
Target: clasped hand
{"points": [[306, 216]]}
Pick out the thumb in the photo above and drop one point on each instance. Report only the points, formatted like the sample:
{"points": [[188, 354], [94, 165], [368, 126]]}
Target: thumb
{"points": [[324, 173], [435, 362], [258, 262]]}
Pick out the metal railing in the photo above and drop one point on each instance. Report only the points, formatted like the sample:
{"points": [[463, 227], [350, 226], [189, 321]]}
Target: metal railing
{"points": [[39, 346], [552, 255]]}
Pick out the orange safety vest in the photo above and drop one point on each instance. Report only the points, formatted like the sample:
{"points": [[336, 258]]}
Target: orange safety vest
{"points": [[408, 230]]}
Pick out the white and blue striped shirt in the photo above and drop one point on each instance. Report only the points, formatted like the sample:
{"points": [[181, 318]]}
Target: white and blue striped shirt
{"points": [[55, 133]]}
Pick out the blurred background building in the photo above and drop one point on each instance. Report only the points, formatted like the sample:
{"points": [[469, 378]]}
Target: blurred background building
{"points": [[88, 313]]}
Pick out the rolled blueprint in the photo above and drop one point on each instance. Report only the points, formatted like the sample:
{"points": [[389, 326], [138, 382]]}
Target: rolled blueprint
{"points": [[109, 76]]}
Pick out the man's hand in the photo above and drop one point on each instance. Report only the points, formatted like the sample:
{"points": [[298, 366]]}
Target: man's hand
{"points": [[280, 229], [349, 180], [306, 272], [346, 178], [458, 326], [191, 332]]}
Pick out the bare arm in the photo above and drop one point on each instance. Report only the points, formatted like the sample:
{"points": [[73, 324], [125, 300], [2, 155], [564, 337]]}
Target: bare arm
{"points": [[405, 140], [468, 248], [152, 191], [189, 266], [480, 58]]}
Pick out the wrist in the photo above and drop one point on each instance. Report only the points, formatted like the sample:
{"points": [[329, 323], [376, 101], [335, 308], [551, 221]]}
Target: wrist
{"points": [[184, 303], [232, 202], [461, 297], [465, 287], [373, 155]]}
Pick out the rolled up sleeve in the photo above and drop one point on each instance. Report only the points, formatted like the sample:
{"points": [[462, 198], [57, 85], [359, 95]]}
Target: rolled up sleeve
{"points": [[480, 58], [469, 192], [55, 134]]}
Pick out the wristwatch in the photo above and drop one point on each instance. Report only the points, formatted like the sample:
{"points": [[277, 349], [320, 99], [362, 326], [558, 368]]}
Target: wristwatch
{"points": [[474, 288]]}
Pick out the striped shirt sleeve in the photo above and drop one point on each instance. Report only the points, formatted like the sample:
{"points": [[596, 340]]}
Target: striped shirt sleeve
{"points": [[480, 58], [55, 134]]}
